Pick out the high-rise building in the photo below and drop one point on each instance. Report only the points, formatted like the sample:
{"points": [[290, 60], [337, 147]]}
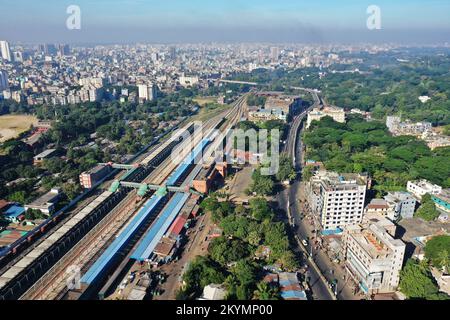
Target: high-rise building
{"points": [[147, 92], [337, 199], [274, 54], [172, 53], [18, 56], [373, 257], [63, 50], [47, 49], [6, 53], [155, 57], [3, 80]]}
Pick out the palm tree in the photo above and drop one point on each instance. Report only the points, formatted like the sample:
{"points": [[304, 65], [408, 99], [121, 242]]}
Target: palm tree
{"points": [[265, 291], [443, 260]]}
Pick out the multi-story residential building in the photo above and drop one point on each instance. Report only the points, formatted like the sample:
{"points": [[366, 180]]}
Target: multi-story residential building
{"points": [[92, 81], [187, 81], [373, 257], [377, 206], [392, 123], [401, 204], [397, 127], [416, 129], [147, 92], [442, 200], [436, 140], [421, 187], [89, 178], [337, 199], [3, 80], [4, 48], [338, 114]]}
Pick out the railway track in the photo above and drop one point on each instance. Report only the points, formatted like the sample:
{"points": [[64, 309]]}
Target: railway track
{"points": [[53, 284]]}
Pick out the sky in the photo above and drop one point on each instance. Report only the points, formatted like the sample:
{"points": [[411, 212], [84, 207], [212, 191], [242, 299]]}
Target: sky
{"points": [[187, 21]]}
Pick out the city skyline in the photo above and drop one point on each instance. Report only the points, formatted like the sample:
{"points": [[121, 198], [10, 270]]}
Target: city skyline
{"points": [[225, 21]]}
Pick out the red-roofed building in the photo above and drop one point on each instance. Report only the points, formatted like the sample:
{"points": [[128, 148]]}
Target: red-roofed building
{"points": [[177, 226]]}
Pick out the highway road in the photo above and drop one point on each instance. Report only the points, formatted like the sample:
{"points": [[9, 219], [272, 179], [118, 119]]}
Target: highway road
{"points": [[287, 200], [319, 268]]}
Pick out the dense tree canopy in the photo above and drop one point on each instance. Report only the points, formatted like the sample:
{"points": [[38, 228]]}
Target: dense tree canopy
{"points": [[360, 146], [437, 250], [416, 282]]}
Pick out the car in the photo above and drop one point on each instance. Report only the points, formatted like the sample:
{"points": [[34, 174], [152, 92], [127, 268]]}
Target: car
{"points": [[305, 242]]}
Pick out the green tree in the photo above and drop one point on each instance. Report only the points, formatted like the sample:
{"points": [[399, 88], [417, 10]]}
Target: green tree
{"points": [[427, 211], [261, 185], [201, 272], [416, 282], [254, 238], [307, 172], [226, 251], [286, 170], [71, 190], [265, 291], [288, 261], [437, 250], [18, 196], [245, 273], [259, 209]]}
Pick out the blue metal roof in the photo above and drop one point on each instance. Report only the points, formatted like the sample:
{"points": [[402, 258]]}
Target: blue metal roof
{"points": [[14, 211], [120, 241], [186, 163], [159, 227], [332, 232], [293, 294]]}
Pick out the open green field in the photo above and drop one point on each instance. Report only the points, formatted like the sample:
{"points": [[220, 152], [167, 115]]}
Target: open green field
{"points": [[13, 125], [208, 112], [204, 100]]}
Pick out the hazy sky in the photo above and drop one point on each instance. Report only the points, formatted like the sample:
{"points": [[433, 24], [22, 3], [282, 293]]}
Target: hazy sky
{"points": [[121, 21]]}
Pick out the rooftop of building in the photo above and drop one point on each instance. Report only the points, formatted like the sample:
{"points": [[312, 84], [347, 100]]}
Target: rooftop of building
{"points": [[424, 184], [164, 246], [214, 292], [49, 197], [339, 181], [95, 169], [444, 195], [398, 195], [378, 204], [45, 153], [14, 210], [374, 239], [326, 110]]}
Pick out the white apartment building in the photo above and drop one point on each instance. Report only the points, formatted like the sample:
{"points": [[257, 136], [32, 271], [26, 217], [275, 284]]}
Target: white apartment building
{"points": [[337, 199], [401, 205], [421, 187], [186, 81], [338, 115], [392, 123], [373, 257], [147, 92], [4, 48], [96, 82]]}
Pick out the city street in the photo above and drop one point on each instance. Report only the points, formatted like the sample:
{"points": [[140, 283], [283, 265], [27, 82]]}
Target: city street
{"points": [[302, 228]]}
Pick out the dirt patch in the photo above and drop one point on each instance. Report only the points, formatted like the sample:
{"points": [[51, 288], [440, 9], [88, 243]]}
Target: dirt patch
{"points": [[13, 125]]}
